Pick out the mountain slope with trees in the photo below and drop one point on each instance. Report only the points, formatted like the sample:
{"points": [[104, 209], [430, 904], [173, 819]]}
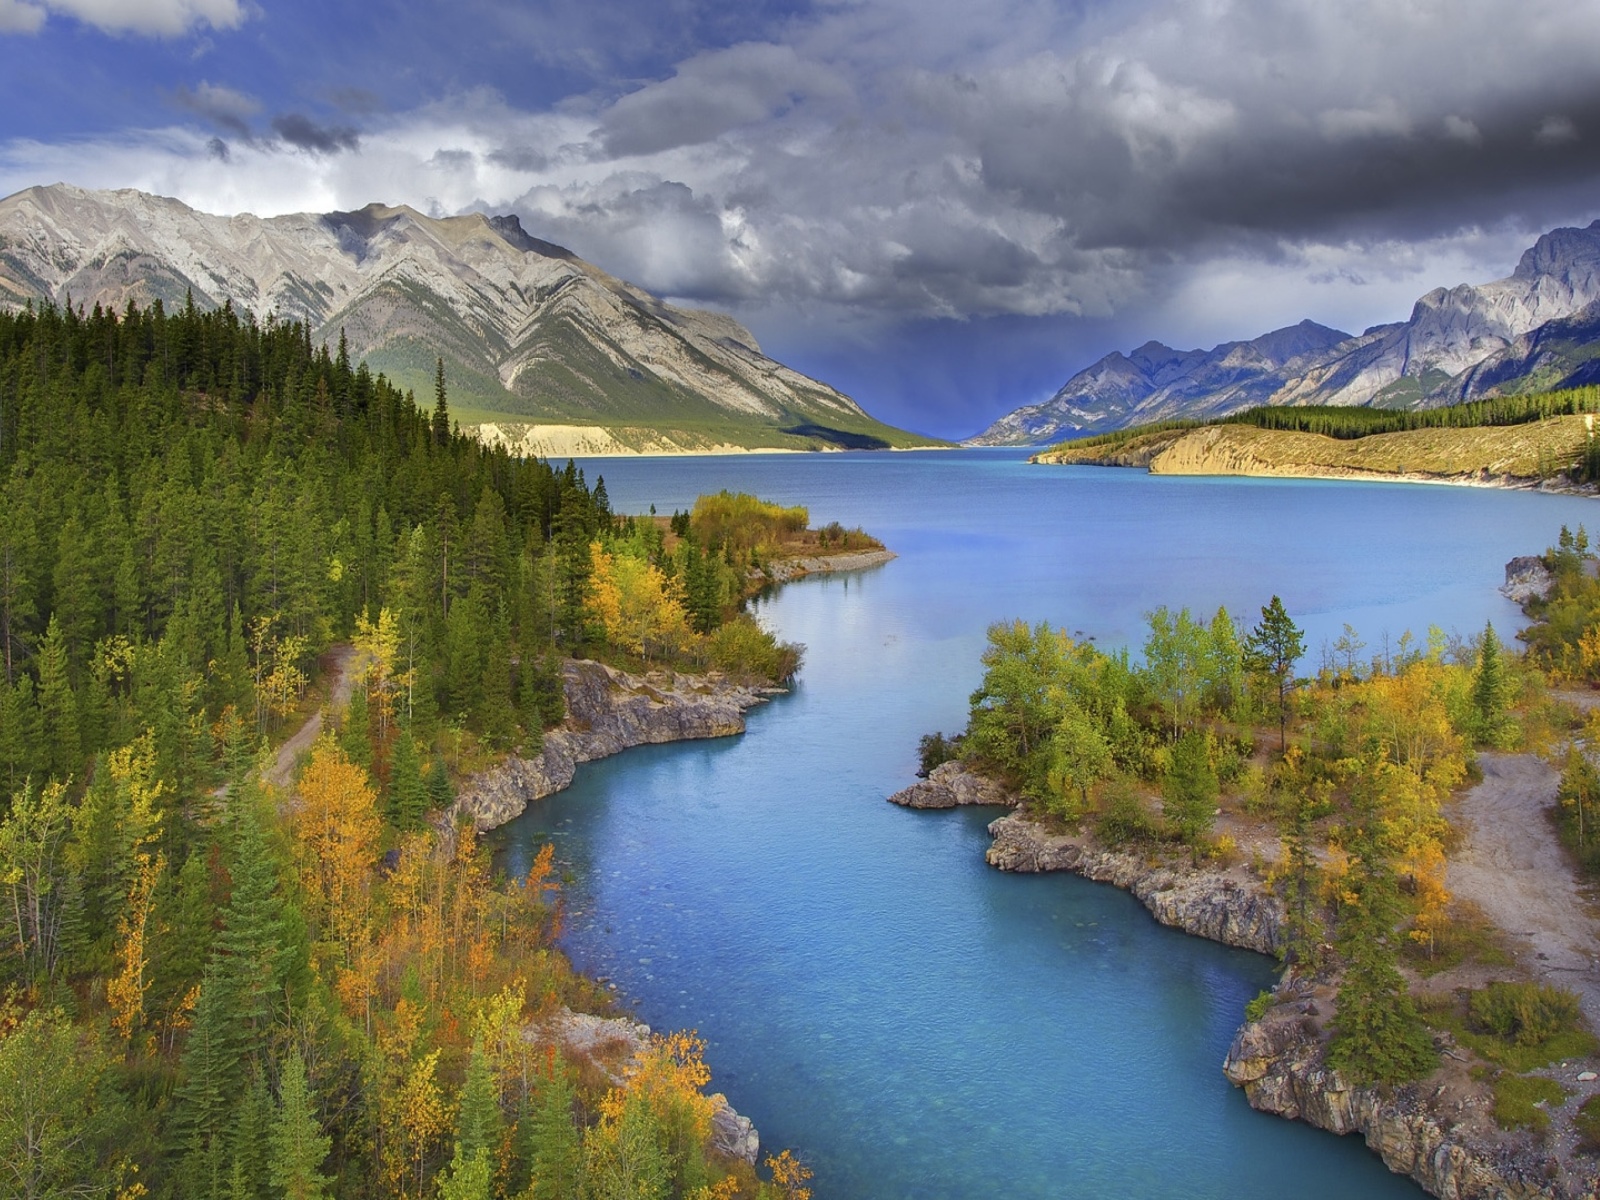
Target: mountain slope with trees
{"points": [[527, 329]]}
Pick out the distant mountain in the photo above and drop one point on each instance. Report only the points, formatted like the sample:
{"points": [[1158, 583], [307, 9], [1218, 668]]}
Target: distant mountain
{"points": [[1156, 382], [527, 329], [1538, 328]]}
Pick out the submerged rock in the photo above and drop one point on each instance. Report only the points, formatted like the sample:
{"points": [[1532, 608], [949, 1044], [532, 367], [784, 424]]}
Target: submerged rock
{"points": [[608, 711]]}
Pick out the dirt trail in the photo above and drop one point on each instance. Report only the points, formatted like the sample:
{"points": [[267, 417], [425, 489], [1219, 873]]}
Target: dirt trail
{"points": [[1512, 866], [336, 665]]}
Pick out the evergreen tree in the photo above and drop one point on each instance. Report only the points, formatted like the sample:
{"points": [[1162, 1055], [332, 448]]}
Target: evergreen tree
{"points": [[440, 792], [553, 1150], [1191, 787], [356, 737], [1491, 690], [441, 409], [59, 706], [299, 1147], [1378, 1035], [1272, 649], [408, 796], [1302, 931]]}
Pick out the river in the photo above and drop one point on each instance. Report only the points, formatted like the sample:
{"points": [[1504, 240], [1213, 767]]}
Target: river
{"points": [[913, 1023]]}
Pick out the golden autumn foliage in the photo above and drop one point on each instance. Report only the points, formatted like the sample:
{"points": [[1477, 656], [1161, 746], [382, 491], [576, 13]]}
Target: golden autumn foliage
{"points": [[640, 608], [125, 991], [336, 828]]}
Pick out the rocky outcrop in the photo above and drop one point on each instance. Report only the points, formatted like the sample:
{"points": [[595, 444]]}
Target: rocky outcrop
{"points": [[950, 785], [614, 1044], [1227, 905], [1527, 578], [1439, 1131], [608, 711], [789, 569]]}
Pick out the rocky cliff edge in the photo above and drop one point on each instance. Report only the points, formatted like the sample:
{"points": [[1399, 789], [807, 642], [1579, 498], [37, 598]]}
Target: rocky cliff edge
{"points": [[608, 711]]}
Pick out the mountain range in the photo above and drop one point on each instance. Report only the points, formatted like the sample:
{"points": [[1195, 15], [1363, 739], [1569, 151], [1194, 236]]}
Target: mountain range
{"points": [[531, 335], [1537, 329]]}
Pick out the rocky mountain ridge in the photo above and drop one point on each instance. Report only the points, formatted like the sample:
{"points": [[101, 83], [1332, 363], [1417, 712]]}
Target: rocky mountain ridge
{"points": [[1537, 328], [525, 327]]}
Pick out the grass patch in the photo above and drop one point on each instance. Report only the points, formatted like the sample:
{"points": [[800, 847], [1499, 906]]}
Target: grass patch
{"points": [[1517, 1100], [1588, 1123]]}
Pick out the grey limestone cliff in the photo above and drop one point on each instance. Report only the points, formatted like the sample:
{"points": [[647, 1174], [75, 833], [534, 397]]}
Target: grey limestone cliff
{"points": [[1440, 1131], [1227, 905], [608, 711]]}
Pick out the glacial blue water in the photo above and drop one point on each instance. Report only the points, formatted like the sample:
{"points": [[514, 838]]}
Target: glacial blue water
{"points": [[912, 1022]]}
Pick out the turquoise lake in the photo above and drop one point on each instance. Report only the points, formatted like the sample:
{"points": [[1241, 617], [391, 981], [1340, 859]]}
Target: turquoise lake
{"points": [[913, 1023]]}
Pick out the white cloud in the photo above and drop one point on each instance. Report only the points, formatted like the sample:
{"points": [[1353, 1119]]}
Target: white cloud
{"points": [[156, 18], [19, 16]]}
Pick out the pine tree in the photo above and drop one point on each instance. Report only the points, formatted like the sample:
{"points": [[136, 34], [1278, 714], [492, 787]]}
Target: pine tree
{"points": [[299, 1147], [59, 705], [1191, 787], [1491, 691], [441, 794], [553, 1150], [408, 795], [1272, 649], [440, 424], [1378, 1035]]}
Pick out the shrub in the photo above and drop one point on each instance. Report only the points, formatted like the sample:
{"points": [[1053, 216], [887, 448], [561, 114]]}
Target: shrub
{"points": [[1588, 1123], [1524, 1014], [1257, 1008], [743, 648], [933, 750], [1124, 818]]}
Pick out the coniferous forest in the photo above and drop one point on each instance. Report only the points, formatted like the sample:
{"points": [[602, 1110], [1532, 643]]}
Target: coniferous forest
{"points": [[219, 985]]}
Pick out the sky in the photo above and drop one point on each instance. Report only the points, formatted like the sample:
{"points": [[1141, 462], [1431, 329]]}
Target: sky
{"points": [[942, 207]]}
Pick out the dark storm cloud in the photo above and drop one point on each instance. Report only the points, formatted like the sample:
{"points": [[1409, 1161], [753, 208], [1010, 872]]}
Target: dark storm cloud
{"points": [[219, 149], [224, 107], [1070, 167], [301, 132]]}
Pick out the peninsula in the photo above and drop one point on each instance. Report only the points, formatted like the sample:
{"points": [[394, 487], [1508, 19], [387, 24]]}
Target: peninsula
{"points": [[1389, 828]]}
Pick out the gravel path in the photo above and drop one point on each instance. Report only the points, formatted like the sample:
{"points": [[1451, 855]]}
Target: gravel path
{"points": [[1512, 866], [341, 681]]}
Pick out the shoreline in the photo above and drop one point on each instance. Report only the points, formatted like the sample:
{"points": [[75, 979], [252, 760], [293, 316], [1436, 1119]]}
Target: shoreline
{"points": [[1439, 1131]]}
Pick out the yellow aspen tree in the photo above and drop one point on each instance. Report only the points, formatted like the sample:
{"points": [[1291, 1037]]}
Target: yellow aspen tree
{"points": [[379, 644], [601, 597], [125, 991], [790, 1176], [1433, 898], [337, 827]]}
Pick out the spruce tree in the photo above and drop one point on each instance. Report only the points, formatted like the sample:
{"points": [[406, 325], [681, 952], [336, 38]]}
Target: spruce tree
{"points": [[298, 1145], [1491, 690], [440, 424], [59, 706], [408, 796], [1191, 788], [553, 1150], [1378, 1035]]}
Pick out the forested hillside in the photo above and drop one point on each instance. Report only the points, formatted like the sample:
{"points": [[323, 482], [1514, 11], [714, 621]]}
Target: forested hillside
{"points": [[214, 987]]}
